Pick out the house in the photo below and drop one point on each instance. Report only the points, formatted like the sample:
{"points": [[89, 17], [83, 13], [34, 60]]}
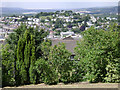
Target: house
{"points": [[70, 43], [68, 20], [60, 17], [30, 23], [64, 25], [90, 24], [46, 20], [114, 18], [108, 18], [2, 39], [68, 33], [74, 27], [93, 19], [53, 19], [51, 34], [30, 19]]}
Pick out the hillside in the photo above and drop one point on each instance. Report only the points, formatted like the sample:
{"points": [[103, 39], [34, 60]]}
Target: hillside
{"points": [[95, 10], [18, 11], [101, 10]]}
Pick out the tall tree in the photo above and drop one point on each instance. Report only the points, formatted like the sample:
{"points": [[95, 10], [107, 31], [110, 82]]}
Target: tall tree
{"points": [[24, 48]]}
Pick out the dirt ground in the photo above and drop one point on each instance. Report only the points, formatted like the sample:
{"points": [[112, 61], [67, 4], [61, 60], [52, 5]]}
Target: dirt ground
{"points": [[75, 85]]}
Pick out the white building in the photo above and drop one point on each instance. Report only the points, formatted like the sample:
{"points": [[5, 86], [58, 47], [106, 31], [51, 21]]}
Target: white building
{"points": [[90, 23], [108, 18], [68, 33], [93, 19]]}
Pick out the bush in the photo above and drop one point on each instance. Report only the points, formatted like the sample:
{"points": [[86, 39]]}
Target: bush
{"points": [[77, 72], [45, 73]]}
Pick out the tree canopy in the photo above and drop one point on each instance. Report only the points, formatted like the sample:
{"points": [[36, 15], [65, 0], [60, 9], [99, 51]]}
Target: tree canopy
{"points": [[99, 54]]}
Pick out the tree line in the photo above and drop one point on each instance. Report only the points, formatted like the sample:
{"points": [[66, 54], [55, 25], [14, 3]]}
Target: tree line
{"points": [[29, 58]]}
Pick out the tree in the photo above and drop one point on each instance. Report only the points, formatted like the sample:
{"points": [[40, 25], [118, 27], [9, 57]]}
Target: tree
{"points": [[59, 23], [25, 55], [59, 59], [24, 48], [76, 30], [12, 42], [45, 47], [99, 53], [8, 77]]}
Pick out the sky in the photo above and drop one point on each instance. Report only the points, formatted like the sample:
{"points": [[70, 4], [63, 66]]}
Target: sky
{"points": [[59, 0], [58, 4]]}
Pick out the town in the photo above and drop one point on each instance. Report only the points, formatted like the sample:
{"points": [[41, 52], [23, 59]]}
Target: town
{"points": [[59, 24]]}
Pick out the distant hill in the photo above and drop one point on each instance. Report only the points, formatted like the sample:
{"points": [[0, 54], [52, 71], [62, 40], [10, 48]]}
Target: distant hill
{"points": [[102, 10], [105, 10], [10, 11], [18, 11]]}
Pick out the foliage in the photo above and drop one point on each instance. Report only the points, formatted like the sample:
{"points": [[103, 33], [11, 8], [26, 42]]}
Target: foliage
{"points": [[28, 57], [76, 30], [45, 47], [77, 74], [98, 53], [25, 55], [59, 23], [45, 73], [24, 49], [7, 66], [59, 59], [44, 14], [23, 19]]}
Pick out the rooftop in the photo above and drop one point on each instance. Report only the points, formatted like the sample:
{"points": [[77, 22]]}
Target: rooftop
{"points": [[70, 43]]}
